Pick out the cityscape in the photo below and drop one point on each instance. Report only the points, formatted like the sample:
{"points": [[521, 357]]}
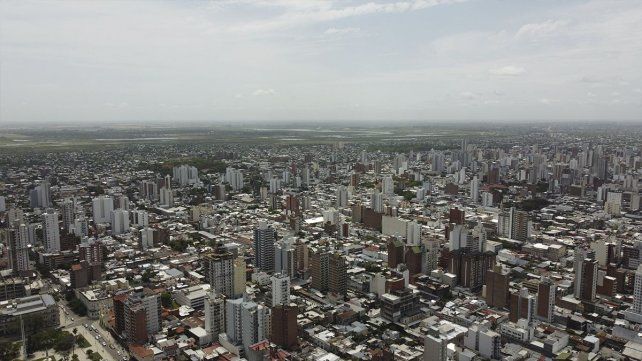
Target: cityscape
{"points": [[320, 180]]}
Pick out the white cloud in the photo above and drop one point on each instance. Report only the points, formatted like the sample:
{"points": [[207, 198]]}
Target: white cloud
{"points": [[262, 92], [341, 31], [297, 17], [508, 70], [539, 30]]}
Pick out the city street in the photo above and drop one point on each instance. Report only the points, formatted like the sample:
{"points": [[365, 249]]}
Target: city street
{"points": [[94, 334]]}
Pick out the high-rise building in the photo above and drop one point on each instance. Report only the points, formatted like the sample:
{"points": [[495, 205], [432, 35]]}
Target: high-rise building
{"points": [[102, 206], [342, 196], [50, 231], [142, 315], [388, 185], [376, 201], [634, 313], [546, 299], [513, 224], [337, 274], [474, 189], [119, 220], [522, 306], [149, 190], [319, 264], [284, 254], [40, 196], [280, 289], [166, 197], [246, 323], [68, 214], [497, 287], [264, 238], [214, 314], [218, 268], [185, 174], [585, 269], [240, 277], [234, 178], [284, 326], [19, 248]]}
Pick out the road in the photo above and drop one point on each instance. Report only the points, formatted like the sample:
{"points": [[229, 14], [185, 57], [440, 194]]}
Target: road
{"points": [[93, 333]]}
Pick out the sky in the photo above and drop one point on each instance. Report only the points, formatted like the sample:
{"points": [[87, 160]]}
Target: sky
{"points": [[320, 60]]}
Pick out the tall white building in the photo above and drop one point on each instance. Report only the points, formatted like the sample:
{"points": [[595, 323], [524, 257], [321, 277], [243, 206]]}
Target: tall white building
{"points": [[376, 201], [139, 218], [474, 189], [413, 233], [19, 248], [119, 220], [166, 197], [101, 209], [342, 196], [388, 185], [146, 238], [3, 204], [487, 199], [214, 314], [234, 177], [185, 174], [438, 162], [634, 313], [50, 231], [275, 184], [68, 216], [280, 289]]}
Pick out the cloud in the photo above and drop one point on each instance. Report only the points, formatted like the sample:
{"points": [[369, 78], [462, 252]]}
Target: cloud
{"points": [[263, 92], [508, 70], [341, 31], [311, 15], [540, 30]]}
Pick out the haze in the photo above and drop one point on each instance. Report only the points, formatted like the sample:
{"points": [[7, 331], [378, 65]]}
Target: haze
{"points": [[308, 60]]}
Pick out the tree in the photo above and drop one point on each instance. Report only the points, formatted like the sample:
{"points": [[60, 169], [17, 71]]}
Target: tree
{"points": [[9, 350], [166, 299]]}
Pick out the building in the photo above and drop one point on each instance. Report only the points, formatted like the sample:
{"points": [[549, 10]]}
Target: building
{"points": [[102, 206], [546, 299], [440, 335], [37, 312], [342, 196], [284, 329], [138, 315], [68, 214], [40, 196], [399, 304], [119, 219], [50, 231], [193, 296], [218, 269], [19, 249], [497, 287], [319, 271], [337, 274], [185, 175], [214, 314], [585, 269], [240, 277], [522, 306], [280, 289], [264, 238]]}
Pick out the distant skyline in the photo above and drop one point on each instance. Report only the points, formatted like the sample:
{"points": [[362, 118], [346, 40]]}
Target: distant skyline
{"points": [[312, 60]]}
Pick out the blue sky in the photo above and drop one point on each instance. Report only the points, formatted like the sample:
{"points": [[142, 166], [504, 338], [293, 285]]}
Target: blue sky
{"points": [[312, 60]]}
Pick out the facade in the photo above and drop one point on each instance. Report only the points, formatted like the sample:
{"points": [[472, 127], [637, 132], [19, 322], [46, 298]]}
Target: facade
{"points": [[284, 326], [50, 231], [264, 238]]}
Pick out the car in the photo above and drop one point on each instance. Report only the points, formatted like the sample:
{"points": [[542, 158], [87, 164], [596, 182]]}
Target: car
{"points": [[86, 325], [104, 344], [96, 337], [111, 346], [72, 318]]}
